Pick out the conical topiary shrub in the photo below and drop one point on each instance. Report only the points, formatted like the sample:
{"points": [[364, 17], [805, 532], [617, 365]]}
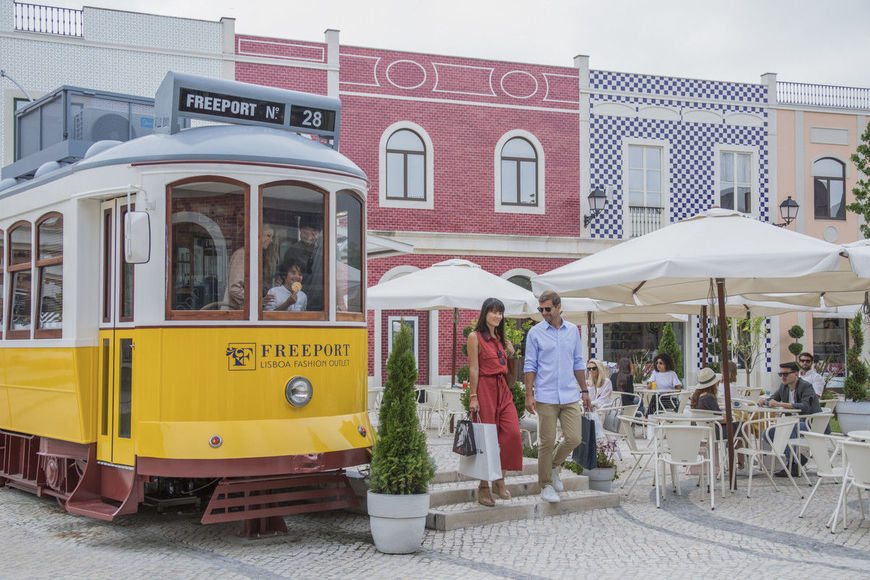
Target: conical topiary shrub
{"points": [[400, 460], [855, 387]]}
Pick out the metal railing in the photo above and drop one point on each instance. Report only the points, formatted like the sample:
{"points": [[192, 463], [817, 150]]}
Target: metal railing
{"points": [[49, 19], [822, 95], [643, 220]]}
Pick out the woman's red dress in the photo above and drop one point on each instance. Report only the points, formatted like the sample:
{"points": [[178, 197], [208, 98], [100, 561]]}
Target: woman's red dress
{"points": [[496, 401]]}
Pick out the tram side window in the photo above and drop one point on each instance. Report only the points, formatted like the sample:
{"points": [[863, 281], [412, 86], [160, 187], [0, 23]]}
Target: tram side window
{"points": [[49, 265], [349, 267], [208, 244], [293, 266], [20, 255], [2, 288]]}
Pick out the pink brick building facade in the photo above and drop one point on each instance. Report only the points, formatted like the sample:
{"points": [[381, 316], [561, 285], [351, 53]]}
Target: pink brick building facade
{"points": [[464, 112]]}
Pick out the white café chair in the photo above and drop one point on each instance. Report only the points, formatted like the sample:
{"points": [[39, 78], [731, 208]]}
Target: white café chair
{"points": [[819, 448], [642, 456], [857, 458], [451, 407], [816, 423], [754, 451], [680, 446]]}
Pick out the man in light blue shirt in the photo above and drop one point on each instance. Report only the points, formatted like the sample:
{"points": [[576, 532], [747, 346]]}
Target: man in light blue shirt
{"points": [[553, 368]]}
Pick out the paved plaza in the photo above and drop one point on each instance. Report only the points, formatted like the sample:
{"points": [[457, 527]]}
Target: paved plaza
{"points": [[759, 537]]}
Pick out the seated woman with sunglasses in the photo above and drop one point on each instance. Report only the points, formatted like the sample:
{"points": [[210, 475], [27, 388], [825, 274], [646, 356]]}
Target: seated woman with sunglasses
{"points": [[600, 388], [490, 396], [665, 379]]}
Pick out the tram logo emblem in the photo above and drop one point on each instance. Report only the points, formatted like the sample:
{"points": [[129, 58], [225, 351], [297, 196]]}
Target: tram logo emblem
{"points": [[241, 356]]}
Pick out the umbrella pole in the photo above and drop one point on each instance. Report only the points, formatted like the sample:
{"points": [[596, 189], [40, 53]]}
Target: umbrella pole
{"points": [[453, 367], [703, 336], [588, 336], [723, 329]]}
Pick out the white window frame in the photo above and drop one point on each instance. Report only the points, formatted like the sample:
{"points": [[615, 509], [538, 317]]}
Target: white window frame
{"points": [[416, 331], [384, 201], [665, 146], [721, 148], [540, 208]]}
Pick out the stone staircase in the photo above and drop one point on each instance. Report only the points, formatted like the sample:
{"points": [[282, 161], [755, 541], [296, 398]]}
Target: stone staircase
{"points": [[453, 499]]}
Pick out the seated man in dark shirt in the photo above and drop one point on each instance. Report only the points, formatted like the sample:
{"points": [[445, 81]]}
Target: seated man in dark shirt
{"points": [[793, 393]]}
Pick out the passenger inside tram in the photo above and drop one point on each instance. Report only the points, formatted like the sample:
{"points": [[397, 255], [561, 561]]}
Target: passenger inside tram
{"points": [[289, 295], [308, 249], [236, 270]]}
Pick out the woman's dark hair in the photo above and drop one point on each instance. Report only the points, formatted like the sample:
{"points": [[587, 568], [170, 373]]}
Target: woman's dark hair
{"points": [[491, 305], [665, 358], [696, 396], [624, 377]]}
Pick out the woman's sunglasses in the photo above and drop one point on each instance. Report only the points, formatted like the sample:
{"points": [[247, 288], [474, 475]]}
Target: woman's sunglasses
{"points": [[592, 368]]}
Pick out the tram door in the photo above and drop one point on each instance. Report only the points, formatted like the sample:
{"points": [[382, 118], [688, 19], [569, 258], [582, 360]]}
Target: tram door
{"points": [[116, 347]]}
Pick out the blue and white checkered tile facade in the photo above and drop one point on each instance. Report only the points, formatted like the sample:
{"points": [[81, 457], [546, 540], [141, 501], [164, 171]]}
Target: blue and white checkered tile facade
{"points": [[677, 87], [691, 145], [699, 341]]}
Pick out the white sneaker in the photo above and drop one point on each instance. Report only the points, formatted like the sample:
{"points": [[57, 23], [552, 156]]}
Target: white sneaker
{"points": [[557, 481], [549, 494]]}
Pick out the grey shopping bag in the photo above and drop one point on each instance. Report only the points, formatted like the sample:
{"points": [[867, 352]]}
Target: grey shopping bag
{"points": [[486, 463]]}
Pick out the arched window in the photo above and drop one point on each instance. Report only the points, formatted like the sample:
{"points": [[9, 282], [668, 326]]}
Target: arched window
{"points": [[2, 288], [829, 183], [49, 271], [20, 263], [406, 166], [519, 173], [521, 281]]}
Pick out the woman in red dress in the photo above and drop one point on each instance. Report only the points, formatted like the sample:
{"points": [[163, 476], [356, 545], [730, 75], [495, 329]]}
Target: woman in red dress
{"points": [[490, 396]]}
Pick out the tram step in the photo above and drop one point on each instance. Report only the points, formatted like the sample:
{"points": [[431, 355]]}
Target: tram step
{"points": [[93, 508], [469, 514]]}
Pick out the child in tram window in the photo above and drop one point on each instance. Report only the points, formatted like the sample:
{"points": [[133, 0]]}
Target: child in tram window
{"points": [[289, 295]]}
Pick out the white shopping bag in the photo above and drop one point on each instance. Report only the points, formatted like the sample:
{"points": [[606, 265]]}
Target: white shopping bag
{"points": [[599, 426], [486, 464]]}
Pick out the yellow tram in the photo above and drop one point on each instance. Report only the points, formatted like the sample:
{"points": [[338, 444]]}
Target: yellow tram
{"points": [[182, 312]]}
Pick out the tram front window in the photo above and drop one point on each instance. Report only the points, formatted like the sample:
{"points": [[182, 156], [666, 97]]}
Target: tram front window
{"points": [[209, 258], [292, 262]]}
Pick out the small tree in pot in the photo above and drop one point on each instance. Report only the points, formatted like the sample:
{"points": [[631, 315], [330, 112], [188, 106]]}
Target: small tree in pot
{"points": [[401, 469], [854, 413]]}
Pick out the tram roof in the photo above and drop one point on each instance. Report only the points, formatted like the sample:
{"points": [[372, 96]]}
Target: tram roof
{"points": [[216, 143]]}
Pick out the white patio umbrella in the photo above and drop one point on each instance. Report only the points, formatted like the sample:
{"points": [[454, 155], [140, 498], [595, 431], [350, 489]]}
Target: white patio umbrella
{"points": [[685, 260], [452, 284]]}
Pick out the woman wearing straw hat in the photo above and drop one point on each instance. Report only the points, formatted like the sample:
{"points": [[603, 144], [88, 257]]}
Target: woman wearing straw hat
{"points": [[704, 399]]}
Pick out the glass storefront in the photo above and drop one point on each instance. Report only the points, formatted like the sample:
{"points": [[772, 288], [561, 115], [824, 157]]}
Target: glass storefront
{"points": [[633, 338], [830, 341]]}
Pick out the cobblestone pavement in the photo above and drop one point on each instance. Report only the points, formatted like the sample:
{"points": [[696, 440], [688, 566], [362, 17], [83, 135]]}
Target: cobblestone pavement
{"points": [[759, 537]]}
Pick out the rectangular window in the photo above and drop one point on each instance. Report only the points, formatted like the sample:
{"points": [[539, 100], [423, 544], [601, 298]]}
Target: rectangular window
{"points": [[395, 325], [349, 263], [125, 389], [208, 245], [735, 181], [104, 386], [636, 339], [830, 341], [49, 267], [125, 298], [293, 281], [645, 176], [107, 266]]}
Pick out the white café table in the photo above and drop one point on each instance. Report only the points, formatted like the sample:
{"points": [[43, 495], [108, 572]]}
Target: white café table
{"points": [[647, 394]]}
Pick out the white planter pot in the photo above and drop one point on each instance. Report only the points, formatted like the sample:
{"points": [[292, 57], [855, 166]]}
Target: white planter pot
{"points": [[853, 415], [397, 521], [600, 478]]}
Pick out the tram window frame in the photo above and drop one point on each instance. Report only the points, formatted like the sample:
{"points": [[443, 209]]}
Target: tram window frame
{"points": [[11, 269], [123, 268], [352, 315], [241, 314], [322, 314], [2, 280], [41, 265], [108, 248]]}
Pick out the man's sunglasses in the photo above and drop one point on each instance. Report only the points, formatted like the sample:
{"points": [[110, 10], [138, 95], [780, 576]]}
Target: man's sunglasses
{"points": [[785, 374], [806, 360], [545, 308]]}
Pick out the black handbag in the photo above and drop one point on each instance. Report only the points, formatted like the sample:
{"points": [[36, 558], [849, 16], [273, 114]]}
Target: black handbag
{"points": [[463, 438], [586, 454]]}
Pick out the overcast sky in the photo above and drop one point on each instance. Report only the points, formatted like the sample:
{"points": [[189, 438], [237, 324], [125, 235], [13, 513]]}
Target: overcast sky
{"points": [[824, 42]]}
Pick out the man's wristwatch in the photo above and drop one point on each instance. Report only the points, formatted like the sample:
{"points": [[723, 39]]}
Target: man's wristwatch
{"points": [[584, 390]]}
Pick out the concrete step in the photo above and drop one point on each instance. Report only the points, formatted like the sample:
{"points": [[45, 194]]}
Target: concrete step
{"points": [[530, 467], [519, 485], [469, 514]]}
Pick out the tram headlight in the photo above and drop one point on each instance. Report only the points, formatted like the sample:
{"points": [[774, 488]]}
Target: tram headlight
{"points": [[298, 391]]}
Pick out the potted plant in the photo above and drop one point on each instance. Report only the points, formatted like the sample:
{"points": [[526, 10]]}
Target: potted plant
{"points": [[401, 468], [602, 477], [854, 413]]}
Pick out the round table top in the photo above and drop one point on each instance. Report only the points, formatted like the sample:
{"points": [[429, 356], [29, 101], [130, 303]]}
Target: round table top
{"points": [[668, 391], [709, 417], [860, 435]]}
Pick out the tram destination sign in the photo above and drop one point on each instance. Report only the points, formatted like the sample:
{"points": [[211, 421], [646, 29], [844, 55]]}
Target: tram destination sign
{"points": [[311, 118], [230, 106]]}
